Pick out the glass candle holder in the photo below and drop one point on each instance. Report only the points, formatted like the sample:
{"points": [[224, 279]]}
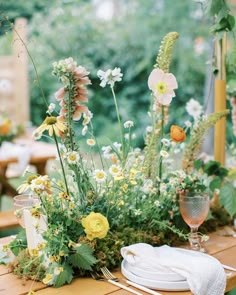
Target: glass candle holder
{"points": [[21, 202]]}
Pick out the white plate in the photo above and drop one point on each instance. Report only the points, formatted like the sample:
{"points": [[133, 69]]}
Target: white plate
{"points": [[154, 284], [154, 275]]}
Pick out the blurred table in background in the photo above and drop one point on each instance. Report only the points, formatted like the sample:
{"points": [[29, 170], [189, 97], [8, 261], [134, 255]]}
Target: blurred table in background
{"points": [[35, 153]]}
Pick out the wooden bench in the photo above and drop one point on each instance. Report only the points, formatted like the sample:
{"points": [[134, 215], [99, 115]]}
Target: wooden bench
{"points": [[8, 220]]}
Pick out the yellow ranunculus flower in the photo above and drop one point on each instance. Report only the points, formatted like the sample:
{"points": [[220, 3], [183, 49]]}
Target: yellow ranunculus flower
{"points": [[95, 226]]}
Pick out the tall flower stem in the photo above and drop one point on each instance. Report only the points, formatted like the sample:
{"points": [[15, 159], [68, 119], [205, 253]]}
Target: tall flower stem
{"points": [[161, 137], [33, 63], [62, 166], [119, 122]]}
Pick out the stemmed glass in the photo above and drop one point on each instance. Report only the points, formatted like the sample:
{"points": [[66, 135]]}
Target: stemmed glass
{"points": [[194, 208], [21, 202]]}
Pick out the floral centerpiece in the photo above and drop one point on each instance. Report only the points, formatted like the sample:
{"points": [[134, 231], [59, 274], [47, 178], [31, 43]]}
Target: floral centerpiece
{"points": [[8, 130], [117, 196]]}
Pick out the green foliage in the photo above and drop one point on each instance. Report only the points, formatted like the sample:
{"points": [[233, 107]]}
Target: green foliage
{"points": [[83, 258], [19, 243], [28, 267], [129, 40], [65, 277], [228, 198], [220, 10], [197, 135], [215, 168]]}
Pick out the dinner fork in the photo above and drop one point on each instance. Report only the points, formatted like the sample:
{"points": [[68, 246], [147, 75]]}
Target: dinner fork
{"points": [[114, 280]]}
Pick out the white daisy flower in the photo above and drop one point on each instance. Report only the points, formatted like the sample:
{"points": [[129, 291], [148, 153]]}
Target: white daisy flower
{"points": [[73, 157], [100, 175], [115, 170], [91, 141]]}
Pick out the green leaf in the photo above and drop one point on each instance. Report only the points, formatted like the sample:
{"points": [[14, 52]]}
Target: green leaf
{"points": [[231, 22], [65, 277], [19, 243], [214, 168], [84, 258], [214, 7], [198, 164], [228, 198], [215, 183]]}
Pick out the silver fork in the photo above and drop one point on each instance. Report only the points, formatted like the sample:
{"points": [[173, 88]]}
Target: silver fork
{"points": [[114, 280]]}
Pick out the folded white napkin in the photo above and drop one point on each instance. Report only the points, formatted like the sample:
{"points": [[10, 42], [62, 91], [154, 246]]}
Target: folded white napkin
{"points": [[204, 274]]}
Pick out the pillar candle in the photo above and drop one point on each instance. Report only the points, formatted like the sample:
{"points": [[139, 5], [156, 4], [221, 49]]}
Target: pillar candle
{"points": [[220, 126], [34, 228]]}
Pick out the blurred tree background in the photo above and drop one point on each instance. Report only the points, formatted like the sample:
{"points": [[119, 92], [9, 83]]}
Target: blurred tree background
{"points": [[128, 37]]}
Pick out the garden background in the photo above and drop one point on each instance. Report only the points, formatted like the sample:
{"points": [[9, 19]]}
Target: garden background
{"points": [[126, 34]]}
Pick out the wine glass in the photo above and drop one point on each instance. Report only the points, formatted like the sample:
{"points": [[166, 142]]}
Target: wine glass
{"points": [[194, 208], [21, 202]]}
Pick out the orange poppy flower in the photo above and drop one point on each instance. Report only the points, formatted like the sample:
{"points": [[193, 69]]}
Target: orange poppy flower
{"points": [[177, 133]]}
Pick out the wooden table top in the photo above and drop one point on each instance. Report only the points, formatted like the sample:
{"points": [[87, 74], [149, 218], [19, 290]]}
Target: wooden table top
{"points": [[39, 151], [222, 248]]}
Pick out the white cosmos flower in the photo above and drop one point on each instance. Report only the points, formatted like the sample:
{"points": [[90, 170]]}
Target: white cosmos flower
{"points": [[128, 124], [100, 175], [115, 170], [194, 108], [109, 77]]}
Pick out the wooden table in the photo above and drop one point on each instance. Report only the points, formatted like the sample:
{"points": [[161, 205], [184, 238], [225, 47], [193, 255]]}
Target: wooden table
{"points": [[40, 153], [223, 248]]}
